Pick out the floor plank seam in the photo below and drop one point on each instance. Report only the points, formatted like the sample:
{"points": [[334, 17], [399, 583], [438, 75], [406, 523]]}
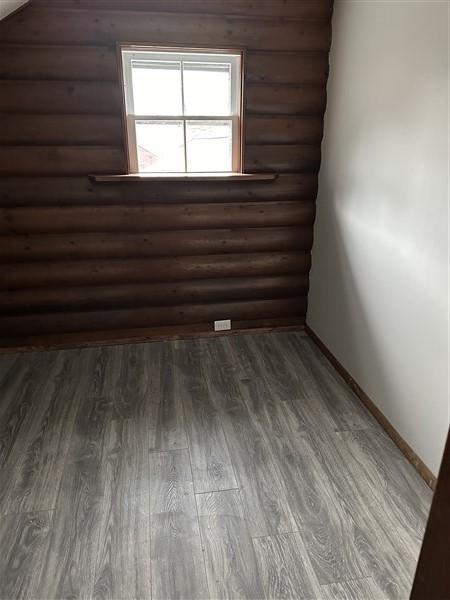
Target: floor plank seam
{"points": [[349, 580], [233, 489], [28, 512], [202, 544], [150, 528], [219, 412], [168, 450], [276, 534]]}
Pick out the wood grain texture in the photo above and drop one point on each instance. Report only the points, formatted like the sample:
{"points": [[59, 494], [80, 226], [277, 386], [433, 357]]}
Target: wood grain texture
{"points": [[79, 191], [98, 272], [317, 381], [59, 130], [151, 243], [353, 590], [285, 567], [105, 338], [283, 130], [154, 217], [6, 366], [210, 460], [264, 493], [25, 540], [378, 534], [59, 97], [223, 387], [123, 567], [393, 480], [16, 389], [412, 457], [327, 529], [84, 27], [321, 510], [47, 323], [283, 158], [151, 294], [307, 9], [229, 554], [287, 99], [169, 429], [60, 121], [99, 63], [60, 160], [70, 565], [178, 569], [34, 484], [137, 386], [22, 422], [287, 67], [64, 63]]}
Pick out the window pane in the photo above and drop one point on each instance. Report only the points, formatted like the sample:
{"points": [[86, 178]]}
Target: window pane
{"points": [[207, 89], [160, 146], [156, 87], [209, 146]]}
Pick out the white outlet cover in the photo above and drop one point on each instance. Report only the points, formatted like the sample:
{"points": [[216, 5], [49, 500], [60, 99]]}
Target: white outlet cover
{"points": [[223, 325]]}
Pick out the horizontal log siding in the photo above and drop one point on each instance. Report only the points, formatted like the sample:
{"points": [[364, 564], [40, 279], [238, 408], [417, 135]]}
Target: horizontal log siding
{"points": [[152, 243], [80, 257]]}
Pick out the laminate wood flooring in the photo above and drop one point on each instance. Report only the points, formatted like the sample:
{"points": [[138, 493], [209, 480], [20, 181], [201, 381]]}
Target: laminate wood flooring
{"points": [[233, 467]]}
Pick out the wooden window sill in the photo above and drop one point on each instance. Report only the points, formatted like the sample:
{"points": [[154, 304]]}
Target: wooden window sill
{"points": [[185, 177]]}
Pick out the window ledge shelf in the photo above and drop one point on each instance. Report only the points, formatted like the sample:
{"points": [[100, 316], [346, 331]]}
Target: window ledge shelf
{"points": [[185, 177]]}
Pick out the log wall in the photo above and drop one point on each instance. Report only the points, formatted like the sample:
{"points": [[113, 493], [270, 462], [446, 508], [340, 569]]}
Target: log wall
{"points": [[95, 258]]}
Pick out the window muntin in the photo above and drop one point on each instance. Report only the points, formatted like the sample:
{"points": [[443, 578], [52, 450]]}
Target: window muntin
{"points": [[183, 110]]}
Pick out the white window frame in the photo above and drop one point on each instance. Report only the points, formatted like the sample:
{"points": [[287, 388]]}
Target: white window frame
{"points": [[232, 57]]}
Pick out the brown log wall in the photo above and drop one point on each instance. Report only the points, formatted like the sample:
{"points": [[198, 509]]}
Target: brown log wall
{"points": [[78, 257]]}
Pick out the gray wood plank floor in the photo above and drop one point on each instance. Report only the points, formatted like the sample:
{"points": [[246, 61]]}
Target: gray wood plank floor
{"points": [[234, 467]]}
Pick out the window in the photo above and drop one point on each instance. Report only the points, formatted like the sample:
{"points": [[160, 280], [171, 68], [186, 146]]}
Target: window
{"points": [[183, 110]]}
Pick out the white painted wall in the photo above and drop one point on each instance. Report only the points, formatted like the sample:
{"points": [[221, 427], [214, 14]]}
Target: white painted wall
{"points": [[8, 6], [379, 283]]}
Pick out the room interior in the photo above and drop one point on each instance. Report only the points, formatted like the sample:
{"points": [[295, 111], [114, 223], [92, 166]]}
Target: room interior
{"points": [[224, 299]]}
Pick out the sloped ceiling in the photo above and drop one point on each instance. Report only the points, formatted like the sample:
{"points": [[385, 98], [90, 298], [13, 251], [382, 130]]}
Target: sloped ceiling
{"points": [[9, 6]]}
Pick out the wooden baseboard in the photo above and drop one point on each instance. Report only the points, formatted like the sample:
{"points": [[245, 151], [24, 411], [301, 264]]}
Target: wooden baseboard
{"points": [[153, 334], [416, 461]]}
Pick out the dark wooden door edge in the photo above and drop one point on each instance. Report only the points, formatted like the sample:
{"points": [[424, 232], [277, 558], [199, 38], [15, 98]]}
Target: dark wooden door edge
{"points": [[432, 580], [409, 453]]}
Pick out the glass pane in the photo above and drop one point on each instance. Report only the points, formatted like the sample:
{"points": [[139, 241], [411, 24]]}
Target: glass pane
{"points": [[207, 89], [160, 146], [156, 87], [209, 146]]}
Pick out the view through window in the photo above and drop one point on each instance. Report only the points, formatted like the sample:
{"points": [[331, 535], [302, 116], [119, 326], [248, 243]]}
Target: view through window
{"points": [[183, 110]]}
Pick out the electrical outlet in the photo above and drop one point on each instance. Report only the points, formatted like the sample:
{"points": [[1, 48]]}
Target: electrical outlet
{"points": [[222, 325]]}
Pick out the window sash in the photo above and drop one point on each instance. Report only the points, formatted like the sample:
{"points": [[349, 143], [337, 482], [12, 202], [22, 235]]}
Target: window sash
{"points": [[132, 140], [233, 59]]}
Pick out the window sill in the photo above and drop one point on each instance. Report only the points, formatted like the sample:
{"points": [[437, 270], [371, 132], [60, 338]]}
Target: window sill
{"points": [[185, 177]]}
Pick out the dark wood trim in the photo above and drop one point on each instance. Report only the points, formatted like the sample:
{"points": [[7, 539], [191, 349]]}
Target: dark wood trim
{"points": [[432, 580], [243, 112], [183, 177], [123, 108], [413, 458], [153, 334]]}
